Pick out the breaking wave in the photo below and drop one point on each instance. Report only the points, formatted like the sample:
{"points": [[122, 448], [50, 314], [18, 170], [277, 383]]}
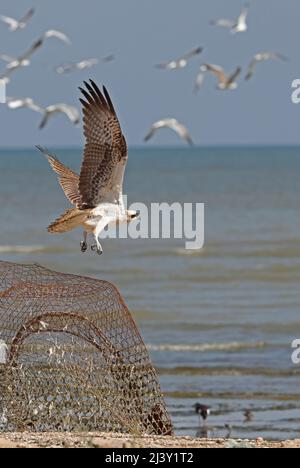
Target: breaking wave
{"points": [[233, 346]]}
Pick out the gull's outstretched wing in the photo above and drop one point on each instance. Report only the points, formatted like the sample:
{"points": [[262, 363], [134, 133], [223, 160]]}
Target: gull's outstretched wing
{"points": [[7, 58], [251, 69], [218, 72], [263, 57], [244, 13], [192, 53], [105, 153], [35, 46], [19, 103], [27, 16], [58, 35], [223, 23], [9, 21], [234, 76], [68, 179]]}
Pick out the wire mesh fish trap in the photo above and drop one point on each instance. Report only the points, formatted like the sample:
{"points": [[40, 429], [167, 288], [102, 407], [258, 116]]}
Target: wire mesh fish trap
{"points": [[72, 358]]}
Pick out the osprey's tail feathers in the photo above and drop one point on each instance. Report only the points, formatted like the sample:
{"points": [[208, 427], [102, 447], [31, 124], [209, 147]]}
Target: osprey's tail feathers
{"points": [[69, 220]]}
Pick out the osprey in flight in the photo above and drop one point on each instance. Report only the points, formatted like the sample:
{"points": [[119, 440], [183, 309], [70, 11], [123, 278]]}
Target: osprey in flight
{"points": [[97, 191]]}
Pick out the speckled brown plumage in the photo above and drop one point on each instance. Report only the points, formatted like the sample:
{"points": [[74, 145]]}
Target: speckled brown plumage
{"points": [[68, 179], [105, 148]]}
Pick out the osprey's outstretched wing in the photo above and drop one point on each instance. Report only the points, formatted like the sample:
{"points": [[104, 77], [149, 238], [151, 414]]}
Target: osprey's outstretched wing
{"points": [[105, 153], [68, 179]]}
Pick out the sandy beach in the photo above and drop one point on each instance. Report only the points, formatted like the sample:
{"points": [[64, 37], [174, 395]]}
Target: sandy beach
{"points": [[107, 440]]}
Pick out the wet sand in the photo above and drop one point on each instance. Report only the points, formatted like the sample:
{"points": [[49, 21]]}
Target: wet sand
{"points": [[101, 440]]}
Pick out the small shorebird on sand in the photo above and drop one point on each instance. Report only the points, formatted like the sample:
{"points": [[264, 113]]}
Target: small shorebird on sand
{"points": [[203, 411]]}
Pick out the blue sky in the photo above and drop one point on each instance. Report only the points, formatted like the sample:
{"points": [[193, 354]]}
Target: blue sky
{"points": [[142, 33]]}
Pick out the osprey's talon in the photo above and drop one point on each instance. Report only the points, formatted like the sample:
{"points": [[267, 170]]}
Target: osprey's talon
{"points": [[97, 249], [83, 246]]}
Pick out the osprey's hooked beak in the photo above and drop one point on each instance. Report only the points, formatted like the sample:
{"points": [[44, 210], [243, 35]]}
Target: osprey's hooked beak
{"points": [[135, 215]]}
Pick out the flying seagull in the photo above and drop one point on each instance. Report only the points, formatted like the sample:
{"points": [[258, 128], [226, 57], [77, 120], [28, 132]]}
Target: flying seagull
{"points": [[226, 82], [69, 67], [172, 124], [97, 192], [71, 112], [182, 62], [237, 26], [14, 24], [263, 57], [24, 60]]}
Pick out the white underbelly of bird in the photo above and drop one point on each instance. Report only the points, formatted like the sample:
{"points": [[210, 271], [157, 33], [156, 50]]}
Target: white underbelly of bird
{"points": [[93, 221]]}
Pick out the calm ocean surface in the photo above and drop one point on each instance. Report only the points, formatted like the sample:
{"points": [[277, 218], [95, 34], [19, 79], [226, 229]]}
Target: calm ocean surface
{"points": [[219, 322]]}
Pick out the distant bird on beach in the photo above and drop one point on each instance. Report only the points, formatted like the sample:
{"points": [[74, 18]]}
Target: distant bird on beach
{"points": [[71, 112], [97, 192], [172, 124], [249, 416], [182, 62], [202, 410], [24, 59], [70, 67], [237, 26], [263, 57], [229, 430], [226, 82], [14, 24]]}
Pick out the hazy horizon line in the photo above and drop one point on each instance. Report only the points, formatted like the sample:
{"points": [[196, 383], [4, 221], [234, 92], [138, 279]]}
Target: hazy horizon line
{"points": [[165, 147]]}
